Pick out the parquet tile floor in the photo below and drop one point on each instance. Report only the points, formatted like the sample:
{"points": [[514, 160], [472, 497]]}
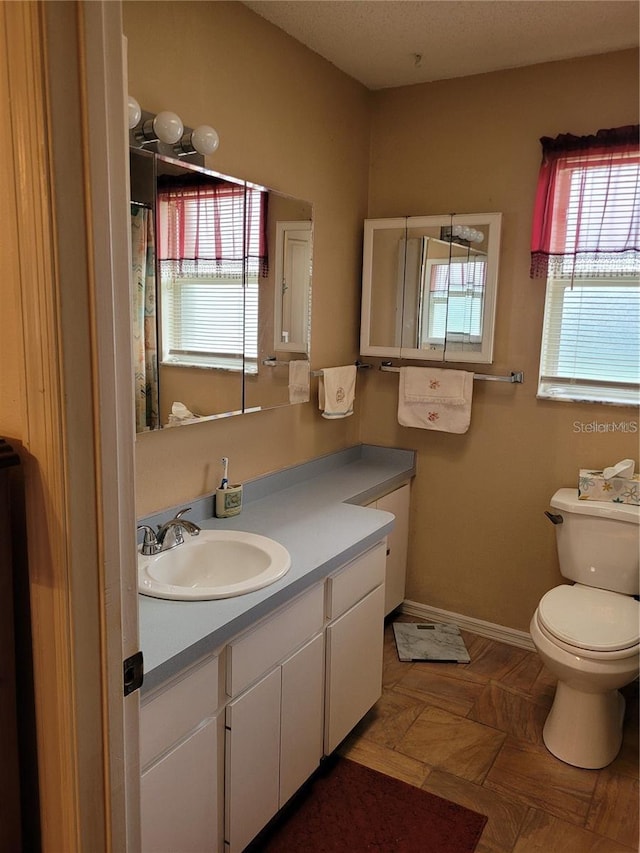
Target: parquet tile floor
{"points": [[472, 733]]}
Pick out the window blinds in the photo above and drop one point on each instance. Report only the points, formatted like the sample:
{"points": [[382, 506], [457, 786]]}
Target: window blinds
{"points": [[591, 341], [591, 333], [212, 251]]}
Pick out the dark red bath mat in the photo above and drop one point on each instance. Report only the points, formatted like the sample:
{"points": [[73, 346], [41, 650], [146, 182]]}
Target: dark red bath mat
{"points": [[350, 808]]}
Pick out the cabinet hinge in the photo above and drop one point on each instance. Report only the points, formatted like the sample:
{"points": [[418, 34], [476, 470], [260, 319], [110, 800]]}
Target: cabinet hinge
{"points": [[133, 673]]}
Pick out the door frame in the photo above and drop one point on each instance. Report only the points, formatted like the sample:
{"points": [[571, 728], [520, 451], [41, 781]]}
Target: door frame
{"points": [[65, 75]]}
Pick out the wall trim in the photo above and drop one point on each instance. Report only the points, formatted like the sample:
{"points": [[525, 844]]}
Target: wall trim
{"points": [[521, 639]]}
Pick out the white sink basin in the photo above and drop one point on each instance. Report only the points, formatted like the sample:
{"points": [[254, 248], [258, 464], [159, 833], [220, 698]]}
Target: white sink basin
{"points": [[214, 564]]}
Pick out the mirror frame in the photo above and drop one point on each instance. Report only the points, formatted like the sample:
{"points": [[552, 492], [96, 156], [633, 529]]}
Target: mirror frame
{"points": [[482, 356]]}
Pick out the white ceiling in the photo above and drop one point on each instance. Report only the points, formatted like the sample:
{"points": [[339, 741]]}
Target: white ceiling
{"points": [[384, 43]]}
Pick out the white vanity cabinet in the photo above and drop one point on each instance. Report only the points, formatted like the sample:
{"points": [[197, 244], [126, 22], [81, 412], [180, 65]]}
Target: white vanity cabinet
{"points": [[225, 744], [273, 737], [181, 752], [396, 502], [354, 642]]}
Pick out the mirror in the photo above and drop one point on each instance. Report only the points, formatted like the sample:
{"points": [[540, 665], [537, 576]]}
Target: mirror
{"points": [[429, 287], [284, 309], [208, 253]]}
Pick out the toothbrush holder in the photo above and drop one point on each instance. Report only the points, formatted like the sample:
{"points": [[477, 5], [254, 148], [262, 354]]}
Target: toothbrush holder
{"points": [[229, 501]]}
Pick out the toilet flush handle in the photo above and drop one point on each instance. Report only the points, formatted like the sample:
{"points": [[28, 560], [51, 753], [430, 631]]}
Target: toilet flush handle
{"points": [[554, 519]]}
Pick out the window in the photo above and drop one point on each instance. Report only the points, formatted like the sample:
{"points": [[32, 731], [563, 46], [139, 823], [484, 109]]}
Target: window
{"points": [[211, 259], [585, 244]]}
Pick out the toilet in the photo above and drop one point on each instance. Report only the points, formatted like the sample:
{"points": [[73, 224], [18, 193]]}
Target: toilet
{"points": [[588, 632]]}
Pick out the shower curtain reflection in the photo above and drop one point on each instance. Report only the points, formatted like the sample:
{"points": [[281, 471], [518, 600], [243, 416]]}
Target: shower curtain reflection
{"points": [[145, 340]]}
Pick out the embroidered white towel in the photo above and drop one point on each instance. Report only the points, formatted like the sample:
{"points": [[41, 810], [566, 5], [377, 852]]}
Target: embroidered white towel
{"points": [[337, 391], [299, 380], [433, 398]]}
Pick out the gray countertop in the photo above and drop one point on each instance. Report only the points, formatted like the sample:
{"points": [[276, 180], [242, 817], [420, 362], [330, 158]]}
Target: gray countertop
{"points": [[315, 510]]}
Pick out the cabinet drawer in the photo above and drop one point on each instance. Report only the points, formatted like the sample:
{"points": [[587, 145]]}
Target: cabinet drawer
{"points": [[177, 709], [355, 580], [262, 648]]}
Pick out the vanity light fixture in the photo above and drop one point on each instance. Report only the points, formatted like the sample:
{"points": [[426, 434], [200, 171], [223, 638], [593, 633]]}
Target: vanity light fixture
{"points": [[166, 127], [134, 112], [204, 139]]}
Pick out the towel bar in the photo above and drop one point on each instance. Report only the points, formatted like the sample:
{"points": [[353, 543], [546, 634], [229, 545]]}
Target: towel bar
{"points": [[515, 376], [273, 362], [359, 364]]}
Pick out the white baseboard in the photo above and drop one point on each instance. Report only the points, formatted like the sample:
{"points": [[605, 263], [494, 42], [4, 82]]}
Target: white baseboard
{"points": [[521, 639]]}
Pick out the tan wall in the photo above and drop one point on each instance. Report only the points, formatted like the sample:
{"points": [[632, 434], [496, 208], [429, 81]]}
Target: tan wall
{"points": [[289, 120], [480, 544]]}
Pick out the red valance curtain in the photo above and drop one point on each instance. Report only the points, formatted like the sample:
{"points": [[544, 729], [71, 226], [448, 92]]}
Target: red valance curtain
{"points": [[211, 229], [587, 210], [256, 244]]}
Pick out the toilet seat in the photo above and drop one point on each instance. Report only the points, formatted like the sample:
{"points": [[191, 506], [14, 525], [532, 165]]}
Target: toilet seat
{"points": [[592, 622]]}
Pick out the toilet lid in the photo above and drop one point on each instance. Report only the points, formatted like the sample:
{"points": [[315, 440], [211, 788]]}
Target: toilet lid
{"points": [[592, 619]]}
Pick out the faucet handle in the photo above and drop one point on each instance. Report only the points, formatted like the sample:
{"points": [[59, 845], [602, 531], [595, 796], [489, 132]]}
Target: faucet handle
{"points": [[150, 541], [182, 512]]}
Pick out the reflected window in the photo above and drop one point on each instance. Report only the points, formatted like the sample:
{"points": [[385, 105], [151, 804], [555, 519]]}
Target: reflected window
{"points": [[455, 296], [212, 253]]}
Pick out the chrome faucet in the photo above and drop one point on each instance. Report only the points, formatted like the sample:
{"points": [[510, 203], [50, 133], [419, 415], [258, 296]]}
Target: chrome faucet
{"points": [[168, 535]]}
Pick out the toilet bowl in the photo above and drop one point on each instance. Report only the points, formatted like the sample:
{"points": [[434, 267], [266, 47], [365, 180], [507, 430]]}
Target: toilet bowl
{"points": [[584, 726], [588, 634]]}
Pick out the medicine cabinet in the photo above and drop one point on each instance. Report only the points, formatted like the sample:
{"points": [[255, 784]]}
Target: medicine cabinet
{"points": [[429, 286]]}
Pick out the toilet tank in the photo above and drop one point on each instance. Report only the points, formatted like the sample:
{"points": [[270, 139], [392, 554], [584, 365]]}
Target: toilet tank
{"points": [[598, 542]]}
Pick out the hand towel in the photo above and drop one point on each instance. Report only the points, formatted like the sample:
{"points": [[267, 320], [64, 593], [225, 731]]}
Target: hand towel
{"points": [[337, 391], [433, 398], [299, 380]]}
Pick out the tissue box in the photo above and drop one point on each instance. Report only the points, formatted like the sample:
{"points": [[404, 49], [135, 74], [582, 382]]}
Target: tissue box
{"points": [[592, 486]]}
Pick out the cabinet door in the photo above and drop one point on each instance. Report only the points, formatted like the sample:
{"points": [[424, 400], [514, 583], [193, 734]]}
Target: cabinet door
{"points": [[302, 716], [179, 796], [252, 761], [353, 666], [396, 502]]}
